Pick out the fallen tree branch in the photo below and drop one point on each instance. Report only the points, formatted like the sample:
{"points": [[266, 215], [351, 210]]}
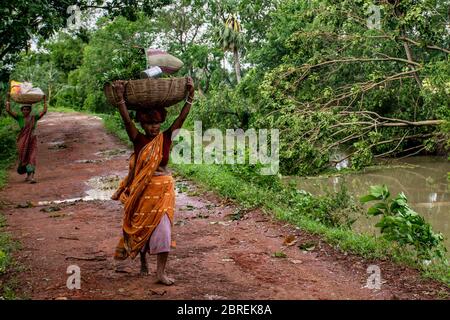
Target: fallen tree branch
{"points": [[393, 38], [395, 122], [370, 87], [362, 60], [390, 141], [433, 47]]}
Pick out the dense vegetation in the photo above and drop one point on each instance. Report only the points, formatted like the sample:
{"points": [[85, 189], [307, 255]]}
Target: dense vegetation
{"points": [[313, 69]]}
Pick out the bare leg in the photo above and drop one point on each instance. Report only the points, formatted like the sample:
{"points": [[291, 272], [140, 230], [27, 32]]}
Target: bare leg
{"points": [[161, 269], [27, 178], [32, 178], [144, 267]]}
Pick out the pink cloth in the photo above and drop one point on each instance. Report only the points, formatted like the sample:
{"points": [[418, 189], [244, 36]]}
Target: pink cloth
{"points": [[160, 239]]}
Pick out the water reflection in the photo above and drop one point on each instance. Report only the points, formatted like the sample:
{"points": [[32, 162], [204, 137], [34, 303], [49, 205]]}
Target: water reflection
{"points": [[102, 188], [422, 179]]}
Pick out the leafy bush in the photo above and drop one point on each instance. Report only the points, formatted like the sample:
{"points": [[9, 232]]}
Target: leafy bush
{"points": [[401, 224], [333, 210], [8, 131], [96, 102], [126, 63], [6, 247]]}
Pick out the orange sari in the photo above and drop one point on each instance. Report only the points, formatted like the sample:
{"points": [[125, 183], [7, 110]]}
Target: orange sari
{"points": [[146, 198]]}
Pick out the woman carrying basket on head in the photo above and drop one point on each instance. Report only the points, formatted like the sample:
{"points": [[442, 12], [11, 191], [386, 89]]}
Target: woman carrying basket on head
{"points": [[148, 191], [26, 140]]}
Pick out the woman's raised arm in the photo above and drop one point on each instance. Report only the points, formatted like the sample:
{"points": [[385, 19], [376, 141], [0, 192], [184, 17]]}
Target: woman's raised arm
{"points": [[45, 108], [178, 123], [129, 124], [8, 106]]}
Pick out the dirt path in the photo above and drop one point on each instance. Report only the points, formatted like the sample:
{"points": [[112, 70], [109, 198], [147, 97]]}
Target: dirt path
{"points": [[216, 257]]}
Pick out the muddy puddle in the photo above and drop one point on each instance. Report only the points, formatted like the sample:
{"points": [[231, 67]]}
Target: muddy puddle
{"points": [[89, 161], [99, 188], [108, 154]]}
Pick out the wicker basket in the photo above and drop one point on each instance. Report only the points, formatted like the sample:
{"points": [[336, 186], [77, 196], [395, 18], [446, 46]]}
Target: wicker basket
{"points": [[27, 98], [149, 93]]}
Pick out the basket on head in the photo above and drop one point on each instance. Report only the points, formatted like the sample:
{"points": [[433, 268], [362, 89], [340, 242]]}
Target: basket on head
{"points": [[25, 93], [149, 93], [27, 98]]}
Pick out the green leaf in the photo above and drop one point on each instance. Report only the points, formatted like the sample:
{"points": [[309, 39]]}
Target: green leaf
{"points": [[368, 198], [380, 192], [374, 211], [377, 209]]}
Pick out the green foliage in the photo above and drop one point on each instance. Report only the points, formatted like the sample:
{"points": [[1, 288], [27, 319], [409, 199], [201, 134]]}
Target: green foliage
{"points": [[252, 173], [39, 69], [66, 52], [131, 10], [95, 101], [401, 224], [8, 132], [334, 210], [312, 69], [111, 55], [229, 36], [321, 79], [22, 21], [7, 246]]}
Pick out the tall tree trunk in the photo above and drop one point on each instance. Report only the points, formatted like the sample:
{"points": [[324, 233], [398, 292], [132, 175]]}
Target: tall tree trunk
{"points": [[237, 65]]}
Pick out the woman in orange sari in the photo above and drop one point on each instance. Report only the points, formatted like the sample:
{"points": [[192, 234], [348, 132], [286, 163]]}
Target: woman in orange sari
{"points": [[26, 140], [148, 191]]}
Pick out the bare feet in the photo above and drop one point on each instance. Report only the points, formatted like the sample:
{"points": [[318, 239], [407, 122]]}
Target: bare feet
{"points": [[144, 267], [162, 278], [33, 181], [144, 270], [161, 267]]}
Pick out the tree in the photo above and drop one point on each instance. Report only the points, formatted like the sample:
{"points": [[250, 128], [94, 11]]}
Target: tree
{"points": [[231, 40], [114, 52], [331, 82], [130, 9], [41, 71], [23, 21], [184, 30], [66, 51]]}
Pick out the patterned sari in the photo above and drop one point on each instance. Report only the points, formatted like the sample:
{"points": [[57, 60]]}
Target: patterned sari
{"points": [[146, 198], [27, 146]]}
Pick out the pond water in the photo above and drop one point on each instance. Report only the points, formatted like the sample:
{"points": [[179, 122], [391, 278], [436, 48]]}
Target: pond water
{"points": [[422, 179]]}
